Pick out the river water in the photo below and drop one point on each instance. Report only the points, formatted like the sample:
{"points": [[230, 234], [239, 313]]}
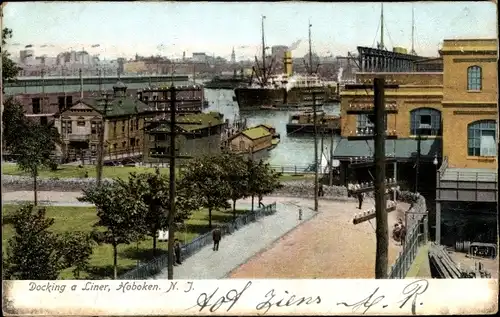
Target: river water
{"points": [[292, 150]]}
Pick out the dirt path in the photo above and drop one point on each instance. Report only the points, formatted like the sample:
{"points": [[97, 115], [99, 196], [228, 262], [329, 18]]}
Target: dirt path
{"points": [[327, 246]]}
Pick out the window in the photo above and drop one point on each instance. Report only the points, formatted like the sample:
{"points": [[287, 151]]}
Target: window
{"points": [[80, 122], [474, 78], [367, 122], [124, 144], [95, 127], [69, 101], [35, 103], [114, 128], [137, 124], [123, 125], [481, 138], [426, 121], [66, 127]]}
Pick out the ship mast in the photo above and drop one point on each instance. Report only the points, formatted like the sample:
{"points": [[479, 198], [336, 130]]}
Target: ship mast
{"points": [[264, 80], [382, 27], [413, 31], [310, 49]]}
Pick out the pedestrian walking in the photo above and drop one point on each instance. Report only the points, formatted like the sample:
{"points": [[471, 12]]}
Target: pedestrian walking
{"points": [[321, 193], [216, 236], [261, 204], [360, 200], [177, 251], [300, 213]]}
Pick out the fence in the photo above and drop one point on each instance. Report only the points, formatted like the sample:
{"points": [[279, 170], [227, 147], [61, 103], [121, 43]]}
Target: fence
{"points": [[155, 266], [416, 237]]}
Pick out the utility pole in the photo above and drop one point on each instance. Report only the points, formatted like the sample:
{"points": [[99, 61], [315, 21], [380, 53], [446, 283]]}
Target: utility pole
{"points": [[172, 92], [382, 231], [171, 214], [81, 83], [331, 160], [100, 154], [315, 122]]}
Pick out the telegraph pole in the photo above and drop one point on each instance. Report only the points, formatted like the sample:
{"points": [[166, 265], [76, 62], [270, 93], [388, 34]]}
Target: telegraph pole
{"points": [[315, 122], [171, 214], [172, 91], [100, 155], [382, 232]]}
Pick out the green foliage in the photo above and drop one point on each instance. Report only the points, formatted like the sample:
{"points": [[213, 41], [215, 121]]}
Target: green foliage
{"points": [[207, 178], [153, 189], [263, 180], [9, 68], [236, 174], [76, 248], [32, 251], [35, 253], [119, 214], [14, 123]]}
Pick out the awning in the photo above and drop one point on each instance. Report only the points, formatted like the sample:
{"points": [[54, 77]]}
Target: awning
{"points": [[401, 149]]}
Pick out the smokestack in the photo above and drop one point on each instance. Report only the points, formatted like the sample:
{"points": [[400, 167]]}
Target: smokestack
{"points": [[288, 63]]}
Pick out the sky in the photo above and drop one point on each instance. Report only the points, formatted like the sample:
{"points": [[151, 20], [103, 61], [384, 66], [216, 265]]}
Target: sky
{"points": [[123, 29]]}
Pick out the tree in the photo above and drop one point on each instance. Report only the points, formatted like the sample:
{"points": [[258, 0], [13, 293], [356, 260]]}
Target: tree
{"points": [[262, 179], [237, 176], [34, 150], [14, 123], [36, 253], [154, 191], [76, 248], [118, 213], [32, 251], [9, 68], [207, 177]]}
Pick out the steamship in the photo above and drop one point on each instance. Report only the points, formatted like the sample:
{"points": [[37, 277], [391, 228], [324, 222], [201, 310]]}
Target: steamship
{"points": [[275, 90]]}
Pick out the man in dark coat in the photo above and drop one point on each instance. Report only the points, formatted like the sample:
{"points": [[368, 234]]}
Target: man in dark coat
{"points": [[216, 236], [360, 200], [177, 251], [321, 193]]}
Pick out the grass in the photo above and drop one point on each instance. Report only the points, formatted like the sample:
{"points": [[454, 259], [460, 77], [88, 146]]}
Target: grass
{"points": [[101, 261], [74, 171]]}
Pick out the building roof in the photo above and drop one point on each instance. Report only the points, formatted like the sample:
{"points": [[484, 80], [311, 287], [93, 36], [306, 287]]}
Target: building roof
{"points": [[117, 106], [399, 149], [470, 175], [193, 122], [255, 132]]}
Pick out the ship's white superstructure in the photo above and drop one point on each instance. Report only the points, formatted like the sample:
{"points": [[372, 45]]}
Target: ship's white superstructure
{"points": [[279, 81]]}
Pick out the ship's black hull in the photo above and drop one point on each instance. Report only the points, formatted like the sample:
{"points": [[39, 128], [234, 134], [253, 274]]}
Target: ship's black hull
{"points": [[308, 129], [254, 98]]}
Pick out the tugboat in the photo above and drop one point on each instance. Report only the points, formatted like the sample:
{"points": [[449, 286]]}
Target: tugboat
{"points": [[303, 123]]}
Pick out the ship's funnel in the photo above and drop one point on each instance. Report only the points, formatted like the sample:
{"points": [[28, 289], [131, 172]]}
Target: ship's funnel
{"points": [[288, 63]]}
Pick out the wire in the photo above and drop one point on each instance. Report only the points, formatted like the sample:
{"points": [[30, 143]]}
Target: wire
{"points": [[376, 34], [389, 34]]}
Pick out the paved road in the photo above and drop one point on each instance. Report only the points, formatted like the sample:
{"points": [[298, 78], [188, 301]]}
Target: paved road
{"points": [[237, 248]]}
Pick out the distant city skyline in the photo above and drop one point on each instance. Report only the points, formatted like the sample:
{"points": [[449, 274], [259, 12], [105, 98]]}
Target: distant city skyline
{"points": [[169, 29]]}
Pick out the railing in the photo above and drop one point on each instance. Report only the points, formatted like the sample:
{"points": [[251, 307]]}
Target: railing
{"points": [[155, 266], [416, 237]]}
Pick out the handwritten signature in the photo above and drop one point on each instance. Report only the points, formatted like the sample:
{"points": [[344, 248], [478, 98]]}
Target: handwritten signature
{"points": [[410, 292], [213, 303]]}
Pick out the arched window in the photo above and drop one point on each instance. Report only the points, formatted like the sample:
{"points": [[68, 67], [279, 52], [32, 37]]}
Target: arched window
{"points": [[425, 121], [481, 138], [474, 78]]}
